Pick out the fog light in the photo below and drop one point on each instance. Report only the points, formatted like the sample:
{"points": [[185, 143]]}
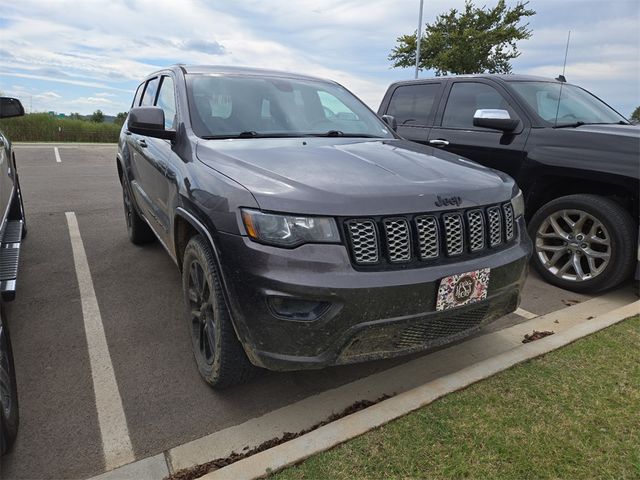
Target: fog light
{"points": [[297, 308]]}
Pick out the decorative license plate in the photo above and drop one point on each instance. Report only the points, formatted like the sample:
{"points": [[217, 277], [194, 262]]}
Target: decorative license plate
{"points": [[463, 289]]}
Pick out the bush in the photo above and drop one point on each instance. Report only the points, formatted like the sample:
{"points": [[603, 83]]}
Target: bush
{"points": [[42, 127]]}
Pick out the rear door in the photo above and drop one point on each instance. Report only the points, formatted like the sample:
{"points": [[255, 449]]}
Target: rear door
{"points": [[454, 130], [414, 106]]}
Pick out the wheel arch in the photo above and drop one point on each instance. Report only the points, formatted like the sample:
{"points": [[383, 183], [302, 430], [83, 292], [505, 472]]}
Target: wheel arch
{"points": [[550, 187]]}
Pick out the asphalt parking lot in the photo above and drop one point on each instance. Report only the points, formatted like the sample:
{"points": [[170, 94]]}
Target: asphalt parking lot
{"points": [[138, 291]]}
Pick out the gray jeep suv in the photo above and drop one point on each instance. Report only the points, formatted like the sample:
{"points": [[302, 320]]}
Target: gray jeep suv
{"points": [[307, 232]]}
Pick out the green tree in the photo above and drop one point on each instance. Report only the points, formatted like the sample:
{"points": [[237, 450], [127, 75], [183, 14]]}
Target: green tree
{"points": [[75, 116], [635, 116], [97, 116], [474, 40], [120, 118]]}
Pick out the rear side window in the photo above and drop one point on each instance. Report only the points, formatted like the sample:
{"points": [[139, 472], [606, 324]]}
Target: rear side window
{"points": [[467, 97], [150, 92], [413, 104], [167, 102]]}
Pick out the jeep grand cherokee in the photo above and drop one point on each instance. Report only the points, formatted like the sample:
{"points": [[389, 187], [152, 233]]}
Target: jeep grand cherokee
{"points": [[307, 233]]}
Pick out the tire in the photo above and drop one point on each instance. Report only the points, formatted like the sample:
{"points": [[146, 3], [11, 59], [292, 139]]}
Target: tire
{"points": [[596, 253], [9, 414], [138, 230], [220, 358]]}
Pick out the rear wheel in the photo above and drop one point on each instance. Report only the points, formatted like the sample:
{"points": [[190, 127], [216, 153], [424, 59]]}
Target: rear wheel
{"points": [[220, 358], [138, 230], [583, 243], [8, 392]]}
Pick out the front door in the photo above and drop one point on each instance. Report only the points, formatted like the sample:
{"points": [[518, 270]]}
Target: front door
{"points": [[456, 133]]}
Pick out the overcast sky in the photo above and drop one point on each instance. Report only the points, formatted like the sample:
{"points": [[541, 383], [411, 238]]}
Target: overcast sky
{"points": [[78, 56]]}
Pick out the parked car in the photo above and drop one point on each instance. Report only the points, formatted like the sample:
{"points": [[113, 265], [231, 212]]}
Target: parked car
{"points": [[308, 234], [13, 229], [575, 158]]}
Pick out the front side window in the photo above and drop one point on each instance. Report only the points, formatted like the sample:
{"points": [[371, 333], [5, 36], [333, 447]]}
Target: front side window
{"points": [[567, 105], [167, 102], [150, 91], [413, 104], [467, 97], [228, 105]]}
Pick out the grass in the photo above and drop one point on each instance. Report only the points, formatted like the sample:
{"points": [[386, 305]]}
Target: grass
{"points": [[573, 413], [42, 127]]}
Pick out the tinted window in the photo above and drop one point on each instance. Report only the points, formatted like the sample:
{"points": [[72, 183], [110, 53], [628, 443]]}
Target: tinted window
{"points": [[150, 92], [466, 98], [569, 104], [167, 102], [413, 104], [136, 98], [224, 106]]}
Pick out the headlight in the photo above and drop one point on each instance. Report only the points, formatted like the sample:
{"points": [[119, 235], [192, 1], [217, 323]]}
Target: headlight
{"points": [[289, 230], [518, 204]]}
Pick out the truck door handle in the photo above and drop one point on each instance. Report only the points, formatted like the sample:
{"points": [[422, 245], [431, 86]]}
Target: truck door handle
{"points": [[142, 143], [439, 142]]}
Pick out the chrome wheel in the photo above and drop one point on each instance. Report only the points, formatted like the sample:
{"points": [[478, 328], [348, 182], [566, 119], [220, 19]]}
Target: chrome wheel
{"points": [[203, 331], [573, 245]]}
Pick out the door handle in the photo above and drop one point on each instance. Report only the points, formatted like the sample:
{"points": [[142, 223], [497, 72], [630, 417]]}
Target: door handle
{"points": [[127, 132], [439, 142], [142, 143]]}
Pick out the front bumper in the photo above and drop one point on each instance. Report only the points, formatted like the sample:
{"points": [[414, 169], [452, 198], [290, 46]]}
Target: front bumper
{"points": [[370, 314]]}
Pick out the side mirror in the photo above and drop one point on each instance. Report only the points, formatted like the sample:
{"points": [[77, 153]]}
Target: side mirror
{"points": [[10, 107], [149, 121], [391, 121], [495, 119]]}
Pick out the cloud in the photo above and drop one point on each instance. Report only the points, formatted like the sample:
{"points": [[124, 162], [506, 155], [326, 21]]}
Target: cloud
{"points": [[47, 95], [100, 45]]}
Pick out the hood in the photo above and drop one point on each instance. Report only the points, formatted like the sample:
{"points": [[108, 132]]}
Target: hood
{"points": [[350, 177]]}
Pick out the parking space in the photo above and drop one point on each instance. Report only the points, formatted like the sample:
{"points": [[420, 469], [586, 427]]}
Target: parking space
{"points": [[138, 291]]}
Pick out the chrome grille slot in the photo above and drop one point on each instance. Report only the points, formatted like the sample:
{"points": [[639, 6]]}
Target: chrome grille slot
{"points": [[364, 241], [495, 226], [508, 221], [428, 237], [453, 232], [475, 221], [398, 239]]}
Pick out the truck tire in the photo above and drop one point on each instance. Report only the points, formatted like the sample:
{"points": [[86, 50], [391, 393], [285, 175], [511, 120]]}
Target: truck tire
{"points": [[9, 417], [138, 230], [584, 243], [220, 358]]}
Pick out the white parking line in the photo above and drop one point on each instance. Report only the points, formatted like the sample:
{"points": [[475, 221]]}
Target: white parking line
{"points": [[524, 313], [116, 443], [57, 152]]}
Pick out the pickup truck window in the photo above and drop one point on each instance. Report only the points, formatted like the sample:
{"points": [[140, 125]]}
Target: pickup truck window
{"points": [[253, 106], [467, 97], [413, 104], [150, 92], [575, 105], [167, 102]]}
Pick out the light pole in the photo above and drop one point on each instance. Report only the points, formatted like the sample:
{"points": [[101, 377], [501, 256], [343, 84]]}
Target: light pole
{"points": [[418, 37]]}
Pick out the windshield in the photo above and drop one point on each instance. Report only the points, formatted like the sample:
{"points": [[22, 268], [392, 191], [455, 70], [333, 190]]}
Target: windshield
{"points": [[576, 106], [228, 106]]}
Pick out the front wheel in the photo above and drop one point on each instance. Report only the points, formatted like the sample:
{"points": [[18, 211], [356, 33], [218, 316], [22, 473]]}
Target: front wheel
{"points": [[220, 358], [584, 243], [8, 392]]}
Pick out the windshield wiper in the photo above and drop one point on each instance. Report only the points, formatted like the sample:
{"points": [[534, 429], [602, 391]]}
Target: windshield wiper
{"points": [[250, 134], [339, 133], [570, 125]]}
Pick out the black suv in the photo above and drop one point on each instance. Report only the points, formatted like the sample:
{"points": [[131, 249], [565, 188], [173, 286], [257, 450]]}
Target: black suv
{"points": [[13, 229], [575, 158], [307, 233]]}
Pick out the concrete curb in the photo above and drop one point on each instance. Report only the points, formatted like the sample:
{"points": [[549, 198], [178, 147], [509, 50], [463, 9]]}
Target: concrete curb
{"points": [[349, 427]]}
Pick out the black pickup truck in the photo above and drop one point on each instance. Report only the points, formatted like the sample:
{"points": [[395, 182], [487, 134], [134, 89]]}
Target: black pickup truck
{"points": [[574, 157], [12, 230]]}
